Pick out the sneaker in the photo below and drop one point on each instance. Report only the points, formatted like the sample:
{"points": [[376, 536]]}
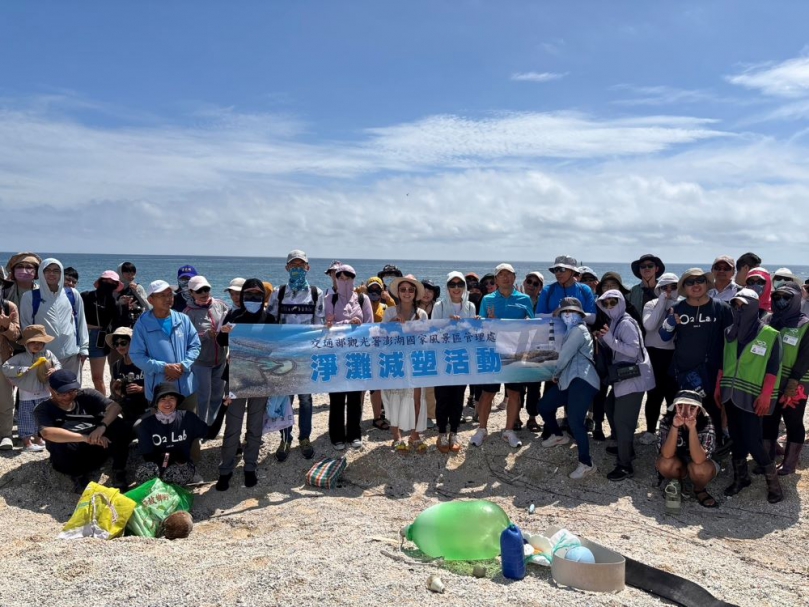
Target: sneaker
{"points": [[479, 436], [647, 438], [454, 445], [511, 438], [340, 446], [443, 444], [554, 439], [6, 444], [582, 471], [33, 447], [307, 450], [620, 473], [430, 424], [356, 443], [282, 453]]}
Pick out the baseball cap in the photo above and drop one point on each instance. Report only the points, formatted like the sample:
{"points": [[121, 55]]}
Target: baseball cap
{"points": [[186, 272], [236, 284], [157, 286], [745, 295], [63, 381], [197, 282], [297, 254], [504, 266]]}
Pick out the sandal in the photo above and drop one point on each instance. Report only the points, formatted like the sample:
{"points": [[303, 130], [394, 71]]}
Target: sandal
{"points": [[401, 446], [533, 426], [419, 446], [380, 423], [705, 499]]}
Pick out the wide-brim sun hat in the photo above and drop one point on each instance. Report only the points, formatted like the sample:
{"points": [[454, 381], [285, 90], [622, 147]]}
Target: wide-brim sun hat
{"points": [[565, 261], [119, 332], [666, 279], [661, 267], [394, 285], [166, 389], [693, 272], [687, 397], [617, 278], [786, 273], [569, 304], [35, 333], [110, 275]]}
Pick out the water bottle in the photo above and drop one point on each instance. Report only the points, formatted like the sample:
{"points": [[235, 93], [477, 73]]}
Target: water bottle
{"points": [[512, 553], [459, 530]]}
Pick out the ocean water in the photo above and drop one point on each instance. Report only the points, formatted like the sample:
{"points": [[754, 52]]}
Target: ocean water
{"points": [[220, 270]]}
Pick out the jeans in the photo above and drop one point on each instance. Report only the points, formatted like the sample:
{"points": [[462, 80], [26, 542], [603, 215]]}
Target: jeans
{"points": [[210, 388], [578, 397], [622, 413], [665, 386], [304, 419]]}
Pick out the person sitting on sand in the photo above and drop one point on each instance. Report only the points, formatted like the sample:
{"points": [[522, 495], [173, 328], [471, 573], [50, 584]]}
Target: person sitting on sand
{"points": [[165, 439], [81, 429], [686, 441]]}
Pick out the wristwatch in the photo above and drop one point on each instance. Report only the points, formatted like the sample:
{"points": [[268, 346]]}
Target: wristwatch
{"points": [[103, 424]]}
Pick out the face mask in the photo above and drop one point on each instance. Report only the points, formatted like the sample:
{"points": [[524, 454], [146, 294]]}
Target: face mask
{"points": [[345, 288], [781, 304], [24, 274], [297, 279], [759, 289], [373, 296], [252, 306], [778, 283], [103, 287], [475, 297], [571, 319]]}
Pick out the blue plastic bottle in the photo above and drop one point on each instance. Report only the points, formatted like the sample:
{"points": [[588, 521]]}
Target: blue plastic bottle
{"points": [[512, 553]]}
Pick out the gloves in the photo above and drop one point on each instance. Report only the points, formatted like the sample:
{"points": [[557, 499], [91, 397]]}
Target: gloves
{"points": [[762, 404], [717, 391], [670, 323], [790, 402]]}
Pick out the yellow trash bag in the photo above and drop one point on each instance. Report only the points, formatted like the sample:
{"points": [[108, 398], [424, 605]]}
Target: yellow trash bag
{"points": [[102, 512]]}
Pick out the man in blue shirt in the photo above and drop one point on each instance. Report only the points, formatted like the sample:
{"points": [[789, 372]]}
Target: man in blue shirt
{"points": [[564, 270], [505, 302]]}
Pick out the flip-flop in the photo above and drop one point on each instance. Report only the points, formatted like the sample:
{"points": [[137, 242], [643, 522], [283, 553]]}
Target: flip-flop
{"points": [[705, 499]]}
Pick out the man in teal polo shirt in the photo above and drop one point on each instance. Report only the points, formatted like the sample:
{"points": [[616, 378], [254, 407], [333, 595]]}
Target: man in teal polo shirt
{"points": [[506, 302]]}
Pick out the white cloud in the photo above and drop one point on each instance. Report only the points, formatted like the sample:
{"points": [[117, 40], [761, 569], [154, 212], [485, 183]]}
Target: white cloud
{"points": [[517, 186], [668, 95], [537, 76], [787, 79]]}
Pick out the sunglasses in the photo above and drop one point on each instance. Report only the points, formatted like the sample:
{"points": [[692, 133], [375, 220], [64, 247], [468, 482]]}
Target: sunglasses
{"points": [[785, 278], [756, 281], [252, 297], [407, 289], [648, 266], [559, 270], [455, 285], [472, 284], [345, 275], [203, 290], [609, 303], [589, 278], [120, 342], [720, 268], [737, 304], [533, 283], [488, 283], [669, 288], [377, 291], [780, 296], [698, 280]]}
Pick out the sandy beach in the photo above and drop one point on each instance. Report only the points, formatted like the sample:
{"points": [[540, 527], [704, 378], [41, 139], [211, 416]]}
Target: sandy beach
{"points": [[284, 543]]}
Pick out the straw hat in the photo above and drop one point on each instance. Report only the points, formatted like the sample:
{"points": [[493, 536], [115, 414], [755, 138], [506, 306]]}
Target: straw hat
{"points": [[394, 286], [119, 332]]}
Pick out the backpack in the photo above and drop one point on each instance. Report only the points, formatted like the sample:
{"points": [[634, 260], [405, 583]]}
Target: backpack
{"points": [[36, 302], [282, 291], [360, 299]]}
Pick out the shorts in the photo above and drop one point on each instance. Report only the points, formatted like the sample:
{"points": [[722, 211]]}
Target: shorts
{"points": [[495, 388], [94, 350]]}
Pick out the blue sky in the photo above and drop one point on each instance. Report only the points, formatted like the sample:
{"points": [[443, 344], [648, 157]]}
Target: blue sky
{"points": [[448, 130]]}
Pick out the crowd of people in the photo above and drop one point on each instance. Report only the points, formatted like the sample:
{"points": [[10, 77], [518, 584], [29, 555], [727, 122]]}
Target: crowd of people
{"points": [[722, 353]]}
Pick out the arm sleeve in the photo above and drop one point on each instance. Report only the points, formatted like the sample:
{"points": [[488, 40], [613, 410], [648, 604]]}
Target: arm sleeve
{"points": [[774, 362], [12, 334], [192, 344], [802, 361], [84, 334], [139, 354], [653, 314], [11, 369], [626, 341], [367, 311]]}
